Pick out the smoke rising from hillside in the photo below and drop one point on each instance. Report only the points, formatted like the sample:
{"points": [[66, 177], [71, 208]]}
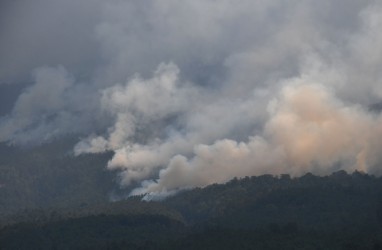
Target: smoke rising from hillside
{"points": [[198, 92]]}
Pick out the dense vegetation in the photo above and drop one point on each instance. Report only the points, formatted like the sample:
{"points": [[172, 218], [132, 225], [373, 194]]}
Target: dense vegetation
{"points": [[341, 211], [49, 175], [51, 200]]}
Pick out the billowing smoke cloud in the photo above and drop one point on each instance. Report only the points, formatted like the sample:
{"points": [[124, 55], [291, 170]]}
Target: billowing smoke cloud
{"points": [[197, 92], [52, 107]]}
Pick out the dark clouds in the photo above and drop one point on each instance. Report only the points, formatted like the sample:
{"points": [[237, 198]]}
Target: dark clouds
{"points": [[47, 33], [194, 92]]}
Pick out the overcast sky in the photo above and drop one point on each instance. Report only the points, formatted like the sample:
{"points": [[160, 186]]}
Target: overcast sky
{"points": [[189, 93]]}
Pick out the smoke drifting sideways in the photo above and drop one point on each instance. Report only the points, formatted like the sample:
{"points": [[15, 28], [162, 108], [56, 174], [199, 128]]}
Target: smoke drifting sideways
{"points": [[194, 93]]}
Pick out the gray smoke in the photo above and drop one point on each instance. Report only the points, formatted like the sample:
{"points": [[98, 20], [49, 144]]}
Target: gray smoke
{"points": [[197, 92]]}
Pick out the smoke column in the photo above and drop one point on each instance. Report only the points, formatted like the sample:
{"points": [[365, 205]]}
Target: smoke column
{"points": [[198, 92]]}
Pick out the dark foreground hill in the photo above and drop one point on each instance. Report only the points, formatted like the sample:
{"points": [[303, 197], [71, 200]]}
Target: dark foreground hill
{"points": [[50, 176], [340, 211]]}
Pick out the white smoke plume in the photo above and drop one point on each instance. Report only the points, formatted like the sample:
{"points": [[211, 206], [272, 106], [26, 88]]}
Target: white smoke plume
{"points": [[197, 92], [309, 130]]}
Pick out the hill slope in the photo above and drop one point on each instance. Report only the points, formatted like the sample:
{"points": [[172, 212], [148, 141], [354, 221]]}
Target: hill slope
{"points": [[341, 211]]}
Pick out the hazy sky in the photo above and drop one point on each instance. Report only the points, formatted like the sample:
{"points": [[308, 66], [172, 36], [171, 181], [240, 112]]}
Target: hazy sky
{"points": [[189, 93]]}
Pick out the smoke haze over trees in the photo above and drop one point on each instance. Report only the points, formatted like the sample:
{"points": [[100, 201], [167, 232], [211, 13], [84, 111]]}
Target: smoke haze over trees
{"points": [[340, 211]]}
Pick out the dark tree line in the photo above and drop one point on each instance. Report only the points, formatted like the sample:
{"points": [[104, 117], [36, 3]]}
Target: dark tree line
{"points": [[340, 211]]}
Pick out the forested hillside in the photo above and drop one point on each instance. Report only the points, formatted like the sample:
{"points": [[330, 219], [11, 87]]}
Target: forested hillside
{"points": [[192, 124], [340, 211], [50, 176]]}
